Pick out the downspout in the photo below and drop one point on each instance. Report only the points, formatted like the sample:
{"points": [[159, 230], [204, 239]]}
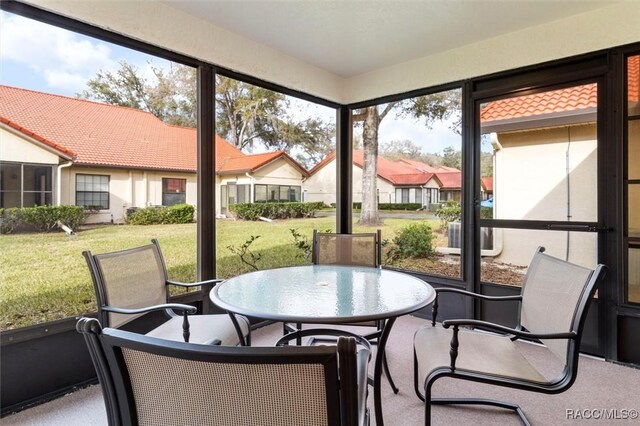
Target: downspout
{"points": [[59, 181], [568, 176], [251, 179]]}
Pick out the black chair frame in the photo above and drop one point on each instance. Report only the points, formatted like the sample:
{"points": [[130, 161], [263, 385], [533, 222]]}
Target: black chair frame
{"points": [[562, 383], [105, 347], [168, 308]]}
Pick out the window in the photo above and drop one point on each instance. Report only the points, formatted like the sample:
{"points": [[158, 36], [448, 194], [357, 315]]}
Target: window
{"points": [[25, 185], [92, 191], [260, 193], [174, 191], [244, 193], [277, 193]]}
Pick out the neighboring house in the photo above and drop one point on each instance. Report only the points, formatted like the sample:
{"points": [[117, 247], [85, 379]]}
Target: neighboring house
{"points": [[60, 150], [486, 187], [552, 131], [399, 181]]}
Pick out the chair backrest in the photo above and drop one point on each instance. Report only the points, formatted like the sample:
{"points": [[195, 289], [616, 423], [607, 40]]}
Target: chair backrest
{"points": [[150, 381], [133, 278], [555, 298], [347, 249]]}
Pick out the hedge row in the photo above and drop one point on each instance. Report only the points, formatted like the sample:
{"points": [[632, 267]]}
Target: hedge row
{"points": [[392, 206], [249, 211], [178, 213], [41, 218]]}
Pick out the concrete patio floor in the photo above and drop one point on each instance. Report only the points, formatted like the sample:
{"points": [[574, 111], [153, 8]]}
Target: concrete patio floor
{"points": [[599, 386]]}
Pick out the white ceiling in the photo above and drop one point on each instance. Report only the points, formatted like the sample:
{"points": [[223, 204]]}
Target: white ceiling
{"points": [[352, 37]]}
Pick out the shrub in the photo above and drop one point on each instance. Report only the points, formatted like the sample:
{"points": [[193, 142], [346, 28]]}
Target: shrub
{"points": [[179, 213], [176, 214], [9, 220], [486, 212], [45, 218], [449, 212], [392, 206], [415, 240], [253, 211]]}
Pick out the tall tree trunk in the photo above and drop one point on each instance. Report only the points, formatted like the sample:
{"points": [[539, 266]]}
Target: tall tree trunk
{"points": [[369, 214]]}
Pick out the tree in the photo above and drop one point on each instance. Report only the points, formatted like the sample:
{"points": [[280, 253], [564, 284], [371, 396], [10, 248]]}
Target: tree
{"points": [[452, 158], [245, 114], [172, 98], [429, 108], [395, 150]]}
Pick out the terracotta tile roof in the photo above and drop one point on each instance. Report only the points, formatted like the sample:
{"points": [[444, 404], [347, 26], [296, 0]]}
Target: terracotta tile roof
{"points": [[253, 162], [424, 167], [400, 172], [450, 180], [487, 183], [633, 73], [108, 135], [556, 101]]}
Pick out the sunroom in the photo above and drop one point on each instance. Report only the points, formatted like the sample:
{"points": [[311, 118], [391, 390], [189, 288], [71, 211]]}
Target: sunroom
{"points": [[540, 97]]}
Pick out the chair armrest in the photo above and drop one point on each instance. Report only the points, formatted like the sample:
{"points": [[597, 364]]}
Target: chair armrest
{"points": [[186, 310], [434, 307], [284, 340], [196, 284], [496, 327], [177, 306], [477, 295]]}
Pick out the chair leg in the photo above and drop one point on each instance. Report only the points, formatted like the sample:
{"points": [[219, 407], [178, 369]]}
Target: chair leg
{"points": [[416, 385], [385, 367], [478, 401], [427, 405]]}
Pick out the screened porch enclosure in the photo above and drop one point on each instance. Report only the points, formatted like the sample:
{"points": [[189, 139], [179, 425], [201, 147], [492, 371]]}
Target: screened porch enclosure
{"points": [[565, 178]]}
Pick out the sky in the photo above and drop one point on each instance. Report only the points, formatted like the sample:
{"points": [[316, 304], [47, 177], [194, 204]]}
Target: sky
{"points": [[45, 58]]}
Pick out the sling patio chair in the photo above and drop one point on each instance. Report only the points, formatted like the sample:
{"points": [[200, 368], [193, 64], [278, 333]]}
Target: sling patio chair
{"points": [[346, 250], [362, 249], [150, 381], [133, 282], [553, 305]]}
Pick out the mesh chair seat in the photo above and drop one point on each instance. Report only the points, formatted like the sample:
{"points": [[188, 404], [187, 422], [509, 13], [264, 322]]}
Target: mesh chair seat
{"points": [[553, 305], [136, 279], [483, 352], [205, 329]]}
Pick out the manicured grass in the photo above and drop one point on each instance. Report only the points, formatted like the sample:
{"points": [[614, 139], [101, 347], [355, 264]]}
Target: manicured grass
{"points": [[44, 277]]}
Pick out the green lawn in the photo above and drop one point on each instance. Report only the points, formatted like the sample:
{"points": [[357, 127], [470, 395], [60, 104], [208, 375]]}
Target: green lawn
{"points": [[44, 277]]}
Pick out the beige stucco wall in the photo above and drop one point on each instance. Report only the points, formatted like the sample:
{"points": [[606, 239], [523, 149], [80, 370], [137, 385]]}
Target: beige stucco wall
{"points": [[159, 24], [127, 188], [18, 148], [530, 183], [321, 186], [610, 26], [634, 173], [279, 172]]}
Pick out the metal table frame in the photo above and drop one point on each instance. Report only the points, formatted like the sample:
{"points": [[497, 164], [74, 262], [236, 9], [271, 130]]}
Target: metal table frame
{"points": [[388, 318]]}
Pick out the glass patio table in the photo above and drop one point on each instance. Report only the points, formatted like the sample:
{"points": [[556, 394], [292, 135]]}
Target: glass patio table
{"points": [[327, 294]]}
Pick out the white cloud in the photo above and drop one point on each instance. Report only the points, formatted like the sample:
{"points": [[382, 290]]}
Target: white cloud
{"points": [[65, 60]]}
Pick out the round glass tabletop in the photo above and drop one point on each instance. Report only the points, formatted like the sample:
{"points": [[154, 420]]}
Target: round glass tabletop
{"points": [[323, 294]]}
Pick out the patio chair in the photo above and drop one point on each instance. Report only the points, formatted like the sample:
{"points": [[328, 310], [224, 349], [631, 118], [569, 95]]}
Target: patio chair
{"points": [[363, 249], [348, 250], [133, 282], [553, 305], [149, 381]]}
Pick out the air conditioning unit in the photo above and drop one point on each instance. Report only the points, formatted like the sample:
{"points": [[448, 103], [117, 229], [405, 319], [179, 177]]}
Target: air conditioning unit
{"points": [[454, 235]]}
